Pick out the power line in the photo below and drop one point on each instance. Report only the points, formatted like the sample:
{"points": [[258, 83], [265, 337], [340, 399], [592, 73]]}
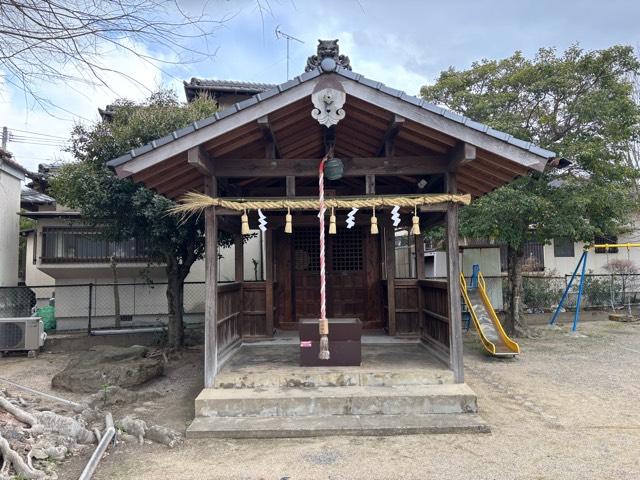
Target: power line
{"points": [[32, 133], [39, 139], [35, 140]]}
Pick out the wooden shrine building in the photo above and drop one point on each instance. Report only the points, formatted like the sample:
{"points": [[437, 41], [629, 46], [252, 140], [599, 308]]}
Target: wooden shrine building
{"points": [[269, 146]]}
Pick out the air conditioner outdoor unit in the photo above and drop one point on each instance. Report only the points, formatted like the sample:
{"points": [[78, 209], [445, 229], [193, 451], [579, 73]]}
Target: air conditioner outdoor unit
{"points": [[25, 333]]}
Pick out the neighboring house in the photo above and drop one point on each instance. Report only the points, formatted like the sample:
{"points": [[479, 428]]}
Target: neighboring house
{"points": [[225, 92], [561, 256], [12, 174], [65, 255], [32, 201], [558, 258]]}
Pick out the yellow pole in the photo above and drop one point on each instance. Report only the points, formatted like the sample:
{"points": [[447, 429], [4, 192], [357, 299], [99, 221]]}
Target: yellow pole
{"points": [[613, 245]]}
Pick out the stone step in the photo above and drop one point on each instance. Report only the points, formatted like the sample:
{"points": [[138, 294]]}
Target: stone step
{"points": [[321, 426], [337, 377], [321, 401]]}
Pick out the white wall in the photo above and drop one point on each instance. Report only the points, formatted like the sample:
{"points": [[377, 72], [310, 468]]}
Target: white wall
{"points": [[9, 224], [596, 262], [489, 261], [32, 274]]}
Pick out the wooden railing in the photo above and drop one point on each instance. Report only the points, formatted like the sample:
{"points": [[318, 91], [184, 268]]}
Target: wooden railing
{"points": [[407, 306], [435, 315], [229, 315], [254, 309]]}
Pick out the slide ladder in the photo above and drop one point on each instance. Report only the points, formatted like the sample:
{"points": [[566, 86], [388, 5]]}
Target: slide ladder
{"points": [[493, 337]]}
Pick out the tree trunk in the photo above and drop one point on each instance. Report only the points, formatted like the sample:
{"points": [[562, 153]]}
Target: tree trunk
{"points": [[175, 302], [116, 292], [516, 323]]}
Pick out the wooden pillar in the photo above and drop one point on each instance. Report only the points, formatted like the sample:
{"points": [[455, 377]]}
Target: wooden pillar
{"points": [[419, 247], [238, 242], [420, 275], [291, 186], [390, 267], [268, 269], [453, 272], [370, 184], [211, 294]]}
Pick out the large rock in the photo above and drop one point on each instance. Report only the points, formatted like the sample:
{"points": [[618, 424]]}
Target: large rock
{"points": [[104, 365]]}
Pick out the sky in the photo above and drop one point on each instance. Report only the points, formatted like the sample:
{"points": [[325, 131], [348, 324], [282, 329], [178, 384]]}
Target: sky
{"points": [[403, 43]]}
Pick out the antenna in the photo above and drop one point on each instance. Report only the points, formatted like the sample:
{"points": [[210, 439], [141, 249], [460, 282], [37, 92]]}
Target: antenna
{"points": [[280, 34]]}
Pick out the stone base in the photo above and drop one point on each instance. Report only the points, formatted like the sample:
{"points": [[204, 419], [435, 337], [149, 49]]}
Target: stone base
{"points": [[398, 390], [319, 426]]}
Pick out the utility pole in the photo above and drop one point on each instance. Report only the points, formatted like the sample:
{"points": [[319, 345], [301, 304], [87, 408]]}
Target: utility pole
{"points": [[5, 137], [280, 34]]}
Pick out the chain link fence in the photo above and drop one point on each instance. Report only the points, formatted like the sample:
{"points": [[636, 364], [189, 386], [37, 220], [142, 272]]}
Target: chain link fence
{"points": [[542, 293], [94, 306], [600, 291]]}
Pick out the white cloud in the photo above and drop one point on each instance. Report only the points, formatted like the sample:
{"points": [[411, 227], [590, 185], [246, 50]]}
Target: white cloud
{"points": [[75, 102], [403, 44]]}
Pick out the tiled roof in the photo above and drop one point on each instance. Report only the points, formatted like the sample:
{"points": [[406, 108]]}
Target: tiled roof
{"points": [[505, 137], [7, 158], [33, 197], [227, 85]]}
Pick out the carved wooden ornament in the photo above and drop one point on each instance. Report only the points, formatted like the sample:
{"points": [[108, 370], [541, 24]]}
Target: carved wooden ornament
{"points": [[328, 104]]}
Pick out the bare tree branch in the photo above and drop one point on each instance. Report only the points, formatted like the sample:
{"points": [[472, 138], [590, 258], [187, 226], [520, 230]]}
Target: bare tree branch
{"points": [[63, 41]]}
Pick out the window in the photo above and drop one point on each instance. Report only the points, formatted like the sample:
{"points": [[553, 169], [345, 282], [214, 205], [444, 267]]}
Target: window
{"points": [[563, 247], [533, 257], [605, 240], [69, 245]]}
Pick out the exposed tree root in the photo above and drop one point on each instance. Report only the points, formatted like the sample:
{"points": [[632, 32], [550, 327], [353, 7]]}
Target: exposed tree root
{"points": [[19, 413], [21, 467]]}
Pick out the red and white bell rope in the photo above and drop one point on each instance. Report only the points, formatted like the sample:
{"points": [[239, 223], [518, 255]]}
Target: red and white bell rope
{"points": [[323, 323]]}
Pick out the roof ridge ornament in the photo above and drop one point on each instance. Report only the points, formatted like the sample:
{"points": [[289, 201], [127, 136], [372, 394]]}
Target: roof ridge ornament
{"points": [[328, 49], [328, 98]]}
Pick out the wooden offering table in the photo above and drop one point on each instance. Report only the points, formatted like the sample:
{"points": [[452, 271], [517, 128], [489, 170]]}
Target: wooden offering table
{"points": [[344, 342]]}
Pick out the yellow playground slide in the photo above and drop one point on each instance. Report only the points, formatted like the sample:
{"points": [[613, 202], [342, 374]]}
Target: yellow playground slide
{"points": [[492, 335]]}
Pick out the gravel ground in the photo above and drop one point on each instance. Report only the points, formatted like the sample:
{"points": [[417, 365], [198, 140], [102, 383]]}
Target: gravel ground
{"points": [[565, 409]]}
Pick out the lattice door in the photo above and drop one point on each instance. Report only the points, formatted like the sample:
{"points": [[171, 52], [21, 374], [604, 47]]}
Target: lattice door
{"points": [[345, 273], [306, 265], [346, 279]]}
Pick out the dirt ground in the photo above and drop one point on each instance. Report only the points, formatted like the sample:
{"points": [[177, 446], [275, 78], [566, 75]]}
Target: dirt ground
{"points": [[567, 408]]}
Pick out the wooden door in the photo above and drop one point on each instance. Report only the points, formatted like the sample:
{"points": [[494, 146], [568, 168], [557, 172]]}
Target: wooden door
{"points": [[306, 277], [346, 282], [346, 285]]}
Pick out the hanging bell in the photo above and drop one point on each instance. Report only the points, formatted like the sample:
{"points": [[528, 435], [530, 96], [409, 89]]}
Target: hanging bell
{"points": [[333, 169], [374, 223], [332, 223], [415, 229], [245, 224], [287, 222]]}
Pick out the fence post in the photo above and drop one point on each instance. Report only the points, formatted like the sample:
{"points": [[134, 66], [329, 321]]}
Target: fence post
{"points": [[90, 308]]}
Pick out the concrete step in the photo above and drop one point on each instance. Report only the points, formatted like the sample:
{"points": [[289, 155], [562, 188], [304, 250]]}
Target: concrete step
{"points": [[321, 401], [336, 377], [320, 426]]}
